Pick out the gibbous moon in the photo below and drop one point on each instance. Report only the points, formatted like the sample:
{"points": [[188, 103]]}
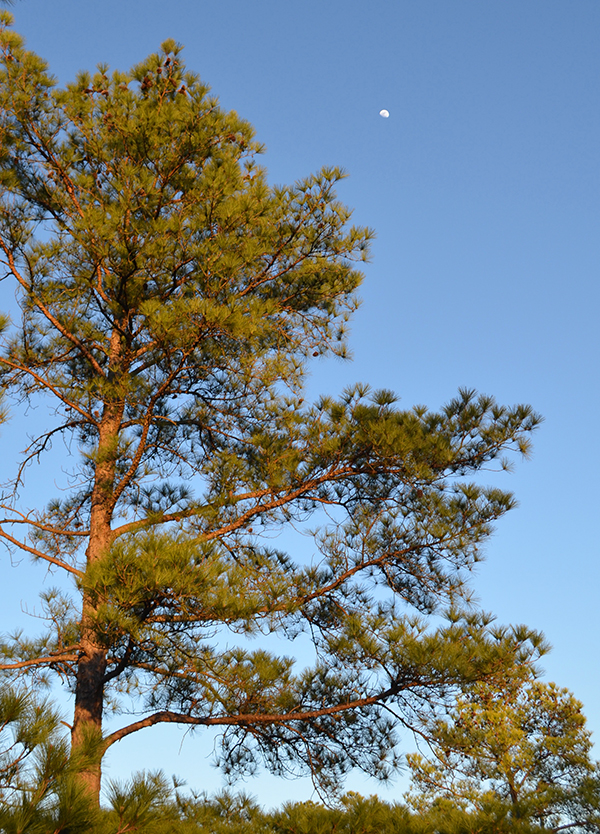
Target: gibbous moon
{"points": [[384, 114]]}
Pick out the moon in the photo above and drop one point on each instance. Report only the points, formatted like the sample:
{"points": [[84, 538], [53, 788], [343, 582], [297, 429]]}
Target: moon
{"points": [[385, 114]]}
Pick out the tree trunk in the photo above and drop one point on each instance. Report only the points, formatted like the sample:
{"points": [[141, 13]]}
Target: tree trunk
{"points": [[87, 722], [89, 688], [86, 734]]}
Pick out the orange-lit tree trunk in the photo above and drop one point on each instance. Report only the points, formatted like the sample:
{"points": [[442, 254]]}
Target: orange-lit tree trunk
{"points": [[91, 668]]}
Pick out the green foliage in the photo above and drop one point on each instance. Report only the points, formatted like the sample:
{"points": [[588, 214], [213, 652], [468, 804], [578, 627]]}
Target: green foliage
{"points": [[39, 794], [144, 804], [353, 815], [38, 787], [518, 752], [170, 301], [223, 813]]}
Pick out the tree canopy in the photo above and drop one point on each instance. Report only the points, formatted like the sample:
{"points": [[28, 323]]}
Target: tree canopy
{"points": [[518, 752], [170, 301]]}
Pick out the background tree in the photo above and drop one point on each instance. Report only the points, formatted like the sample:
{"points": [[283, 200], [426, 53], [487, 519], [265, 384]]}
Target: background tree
{"points": [[169, 301], [517, 754]]}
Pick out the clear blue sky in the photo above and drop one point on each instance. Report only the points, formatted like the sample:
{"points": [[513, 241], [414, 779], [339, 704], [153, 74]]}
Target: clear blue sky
{"points": [[483, 188]]}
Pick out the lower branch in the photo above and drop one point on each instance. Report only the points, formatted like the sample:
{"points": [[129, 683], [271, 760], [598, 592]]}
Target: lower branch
{"points": [[168, 717]]}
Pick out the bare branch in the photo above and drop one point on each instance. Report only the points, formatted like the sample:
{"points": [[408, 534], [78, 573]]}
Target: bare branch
{"points": [[38, 525], [39, 555]]}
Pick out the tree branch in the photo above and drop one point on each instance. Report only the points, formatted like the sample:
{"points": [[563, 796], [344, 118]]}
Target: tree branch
{"points": [[39, 555], [46, 312], [46, 528], [48, 386], [168, 717], [43, 661]]}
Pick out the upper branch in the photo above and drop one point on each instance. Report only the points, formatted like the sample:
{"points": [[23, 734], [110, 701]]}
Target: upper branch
{"points": [[77, 343], [38, 525]]}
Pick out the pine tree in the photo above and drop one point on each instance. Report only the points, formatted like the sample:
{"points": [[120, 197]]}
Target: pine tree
{"points": [[170, 301], [39, 788], [517, 753]]}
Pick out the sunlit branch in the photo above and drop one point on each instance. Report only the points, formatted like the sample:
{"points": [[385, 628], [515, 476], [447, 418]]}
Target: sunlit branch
{"points": [[166, 716], [49, 387], [46, 312], [46, 528], [65, 656], [39, 555]]}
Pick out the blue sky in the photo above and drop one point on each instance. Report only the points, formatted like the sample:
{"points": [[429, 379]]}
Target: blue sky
{"points": [[483, 188]]}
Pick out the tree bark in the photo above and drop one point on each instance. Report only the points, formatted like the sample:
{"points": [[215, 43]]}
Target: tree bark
{"points": [[87, 722], [91, 669]]}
